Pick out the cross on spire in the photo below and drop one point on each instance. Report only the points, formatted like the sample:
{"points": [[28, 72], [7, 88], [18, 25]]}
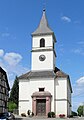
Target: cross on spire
{"points": [[44, 5]]}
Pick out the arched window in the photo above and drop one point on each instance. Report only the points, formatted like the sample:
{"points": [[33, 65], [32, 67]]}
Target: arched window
{"points": [[42, 42]]}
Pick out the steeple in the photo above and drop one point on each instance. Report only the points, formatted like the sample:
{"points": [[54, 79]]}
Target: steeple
{"points": [[43, 27]]}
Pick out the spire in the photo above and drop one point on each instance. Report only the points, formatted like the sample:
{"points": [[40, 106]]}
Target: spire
{"points": [[43, 27]]}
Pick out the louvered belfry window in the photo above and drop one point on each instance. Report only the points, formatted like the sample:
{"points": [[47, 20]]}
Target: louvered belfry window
{"points": [[42, 42]]}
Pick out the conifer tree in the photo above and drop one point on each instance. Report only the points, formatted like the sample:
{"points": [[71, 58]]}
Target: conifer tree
{"points": [[14, 94]]}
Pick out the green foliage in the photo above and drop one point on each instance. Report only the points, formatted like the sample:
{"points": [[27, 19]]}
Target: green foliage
{"points": [[14, 94], [80, 110], [28, 112], [51, 115], [11, 106], [74, 113], [32, 114]]}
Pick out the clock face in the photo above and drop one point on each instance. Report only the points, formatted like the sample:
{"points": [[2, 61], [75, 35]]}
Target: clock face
{"points": [[42, 57]]}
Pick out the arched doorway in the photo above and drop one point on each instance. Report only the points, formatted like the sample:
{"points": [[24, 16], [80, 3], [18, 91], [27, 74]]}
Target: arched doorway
{"points": [[41, 103]]}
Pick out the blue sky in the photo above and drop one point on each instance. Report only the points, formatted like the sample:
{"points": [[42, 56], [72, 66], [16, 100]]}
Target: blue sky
{"points": [[19, 18]]}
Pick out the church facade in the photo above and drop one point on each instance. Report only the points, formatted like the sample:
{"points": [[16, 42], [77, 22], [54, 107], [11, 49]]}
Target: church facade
{"points": [[45, 88]]}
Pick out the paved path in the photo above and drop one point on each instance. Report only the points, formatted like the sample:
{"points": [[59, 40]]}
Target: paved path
{"points": [[43, 118]]}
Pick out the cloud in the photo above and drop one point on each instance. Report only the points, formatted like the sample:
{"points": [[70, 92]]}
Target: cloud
{"points": [[6, 34], [12, 63], [78, 51], [80, 81], [78, 87], [80, 43], [65, 19], [1, 53], [77, 22], [61, 49], [78, 93], [82, 103], [14, 71], [12, 58], [80, 48]]}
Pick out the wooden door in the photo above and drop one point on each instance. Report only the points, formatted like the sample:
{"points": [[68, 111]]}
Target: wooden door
{"points": [[41, 107]]}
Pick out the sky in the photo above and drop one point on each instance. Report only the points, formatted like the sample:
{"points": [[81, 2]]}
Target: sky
{"points": [[19, 18]]}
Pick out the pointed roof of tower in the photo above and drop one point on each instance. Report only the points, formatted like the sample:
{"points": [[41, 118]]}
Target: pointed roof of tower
{"points": [[43, 27]]}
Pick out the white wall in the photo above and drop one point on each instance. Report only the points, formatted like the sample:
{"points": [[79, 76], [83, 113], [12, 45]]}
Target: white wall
{"points": [[50, 58], [61, 108], [27, 89], [61, 88], [69, 98], [48, 41], [61, 96], [24, 88], [57, 88], [22, 85], [23, 107], [48, 84], [42, 65]]}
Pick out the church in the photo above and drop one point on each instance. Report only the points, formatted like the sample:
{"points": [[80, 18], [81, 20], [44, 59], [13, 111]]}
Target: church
{"points": [[45, 87]]}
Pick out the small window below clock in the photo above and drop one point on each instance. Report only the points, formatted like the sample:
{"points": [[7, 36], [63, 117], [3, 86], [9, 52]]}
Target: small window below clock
{"points": [[42, 42], [41, 89]]}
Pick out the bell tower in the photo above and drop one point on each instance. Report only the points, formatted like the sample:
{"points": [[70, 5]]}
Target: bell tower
{"points": [[43, 42]]}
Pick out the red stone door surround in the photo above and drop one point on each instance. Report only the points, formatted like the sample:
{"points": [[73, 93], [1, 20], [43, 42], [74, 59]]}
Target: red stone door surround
{"points": [[41, 95]]}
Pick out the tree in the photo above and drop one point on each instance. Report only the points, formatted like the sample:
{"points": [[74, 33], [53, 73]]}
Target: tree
{"points": [[14, 94], [11, 106], [80, 110]]}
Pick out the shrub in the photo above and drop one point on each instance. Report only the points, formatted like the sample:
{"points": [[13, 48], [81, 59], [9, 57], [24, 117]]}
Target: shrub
{"points": [[62, 115], [32, 114], [80, 110], [73, 113], [28, 112], [23, 114], [11, 106], [51, 114]]}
